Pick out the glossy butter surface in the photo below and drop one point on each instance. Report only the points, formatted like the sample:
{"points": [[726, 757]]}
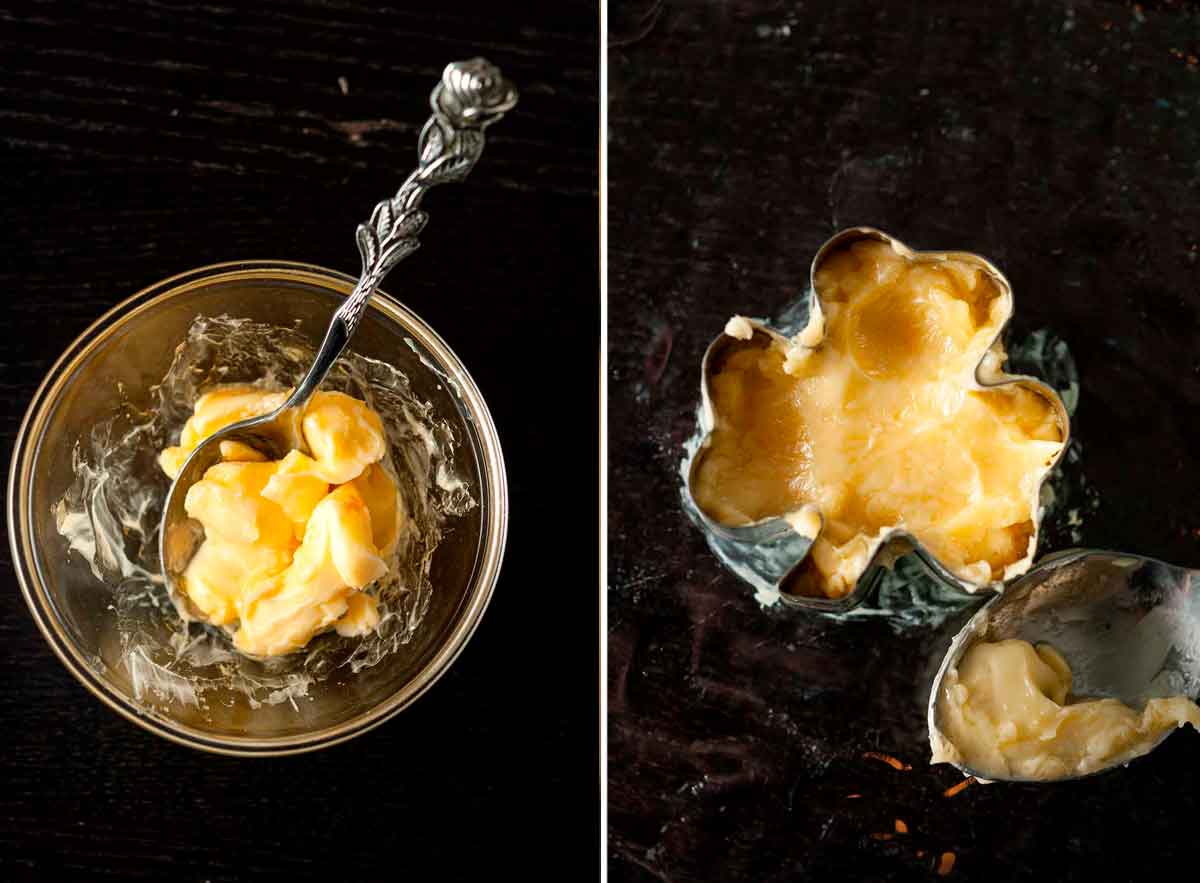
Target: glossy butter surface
{"points": [[1006, 711], [290, 544], [873, 418]]}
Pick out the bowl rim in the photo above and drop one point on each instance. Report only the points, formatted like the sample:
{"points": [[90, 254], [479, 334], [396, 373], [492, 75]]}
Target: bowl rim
{"points": [[493, 538]]}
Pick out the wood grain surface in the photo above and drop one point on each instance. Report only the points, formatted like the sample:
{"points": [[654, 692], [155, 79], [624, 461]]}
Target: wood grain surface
{"points": [[1060, 140], [141, 139]]}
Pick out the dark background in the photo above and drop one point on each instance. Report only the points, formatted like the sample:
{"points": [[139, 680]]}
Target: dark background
{"points": [[1062, 141], [138, 140]]}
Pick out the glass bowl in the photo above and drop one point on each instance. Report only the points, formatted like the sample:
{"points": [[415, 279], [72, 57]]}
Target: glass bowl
{"points": [[124, 354]]}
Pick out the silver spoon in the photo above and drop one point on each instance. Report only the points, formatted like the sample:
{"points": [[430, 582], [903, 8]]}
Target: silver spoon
{"points": [[470, 97], [1128, 626]]}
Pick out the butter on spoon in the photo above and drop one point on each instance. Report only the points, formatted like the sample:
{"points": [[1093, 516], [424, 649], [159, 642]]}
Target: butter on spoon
{"points": [[1088, 661], [470, 97]]}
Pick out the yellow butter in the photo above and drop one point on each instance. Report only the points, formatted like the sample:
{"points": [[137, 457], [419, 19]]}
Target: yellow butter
{"points": [[288, 549], [228, 502], [344, 435], [297, 488], [361, 616], [874, 420], [385, 504], [1006, 711], [219, 572], [283, 612], [235, 450]]}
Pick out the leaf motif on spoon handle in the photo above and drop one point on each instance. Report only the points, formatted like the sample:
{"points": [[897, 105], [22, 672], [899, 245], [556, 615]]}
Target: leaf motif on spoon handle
{"points": [[470, 97]]}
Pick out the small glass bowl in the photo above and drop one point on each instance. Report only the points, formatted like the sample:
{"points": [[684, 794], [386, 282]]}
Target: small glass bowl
{"points": [[125, 353]]}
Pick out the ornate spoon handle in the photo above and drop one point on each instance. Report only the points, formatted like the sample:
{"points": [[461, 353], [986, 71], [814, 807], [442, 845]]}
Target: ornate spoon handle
{"points": [[470, 97]]}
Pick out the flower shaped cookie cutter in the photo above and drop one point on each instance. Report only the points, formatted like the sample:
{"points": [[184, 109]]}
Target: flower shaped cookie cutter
{"points": [[772, 552]]}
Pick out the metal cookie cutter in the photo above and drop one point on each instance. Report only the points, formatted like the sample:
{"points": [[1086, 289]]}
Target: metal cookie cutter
{"points": [[770, 553]]}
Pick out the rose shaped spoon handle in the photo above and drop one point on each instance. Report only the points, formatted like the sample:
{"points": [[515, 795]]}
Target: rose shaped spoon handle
{"points": [[470, 97]]}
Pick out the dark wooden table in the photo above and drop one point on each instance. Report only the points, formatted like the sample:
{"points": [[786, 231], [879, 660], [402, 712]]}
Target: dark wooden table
{"points": [[1060, 140], [141, 139]]}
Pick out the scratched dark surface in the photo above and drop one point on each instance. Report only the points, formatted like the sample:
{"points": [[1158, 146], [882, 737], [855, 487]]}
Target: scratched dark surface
{"points": [[138, 140], [1061, 141]]}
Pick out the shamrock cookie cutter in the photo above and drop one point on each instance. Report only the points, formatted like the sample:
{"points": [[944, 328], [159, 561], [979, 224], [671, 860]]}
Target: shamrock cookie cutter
{"points": [[770, 554]]}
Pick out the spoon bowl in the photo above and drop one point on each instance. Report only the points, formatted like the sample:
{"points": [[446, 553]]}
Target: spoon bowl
{"points": [[1128, 625]]}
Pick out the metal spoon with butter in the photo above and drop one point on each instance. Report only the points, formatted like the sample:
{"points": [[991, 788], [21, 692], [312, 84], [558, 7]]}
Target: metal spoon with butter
{"points": [[1084, 664], [470, 97]]}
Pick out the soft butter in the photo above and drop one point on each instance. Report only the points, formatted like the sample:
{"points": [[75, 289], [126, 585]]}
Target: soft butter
{"points": [[290, 544]]}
